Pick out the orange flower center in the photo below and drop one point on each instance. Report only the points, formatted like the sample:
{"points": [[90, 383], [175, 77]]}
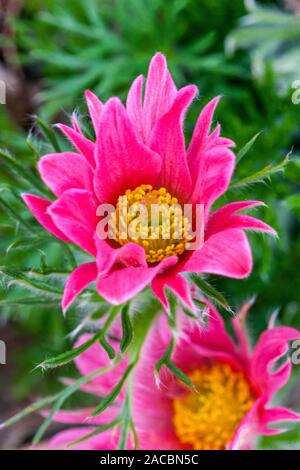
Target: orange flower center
{"points": [[153, 219], [208, 418]]}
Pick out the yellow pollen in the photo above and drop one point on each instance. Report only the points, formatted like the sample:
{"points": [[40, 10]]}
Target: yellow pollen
{"points": [[207, 419], [163, 232]]}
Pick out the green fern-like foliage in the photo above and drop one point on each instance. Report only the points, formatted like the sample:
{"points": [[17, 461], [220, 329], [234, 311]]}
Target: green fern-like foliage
{"points": [[273, 38], [103, 45]]}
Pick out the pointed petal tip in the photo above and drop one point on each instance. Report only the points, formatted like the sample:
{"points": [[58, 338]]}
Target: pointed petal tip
{"points": [[30, 200], [91, 97], [273, 233], [215, 101], [139, 78], [65, 305], [88, 94], [64, 310], [191, 90], [158, 63], [256, 203], [25, 196], [113, 103], [64, 129], [159, 57]]}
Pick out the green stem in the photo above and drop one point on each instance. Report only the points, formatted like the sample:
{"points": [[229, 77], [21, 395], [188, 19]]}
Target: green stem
{"points": [[68, 356]]}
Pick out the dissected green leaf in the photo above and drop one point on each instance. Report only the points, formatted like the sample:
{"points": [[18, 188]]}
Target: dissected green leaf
{"points": [[126, 421], [38, 405], [127, 332], [30, 242], [261, 175], [244, 150], [66, 392], [209, 291], [167, 362], [167, 355], [179, 374], [173, 303], [68, 356], [98, 430], [15, 216], [48, 133], [21, 171], [110, 398], [108, 348], [27, 301], [46, 423], [27, 280]]}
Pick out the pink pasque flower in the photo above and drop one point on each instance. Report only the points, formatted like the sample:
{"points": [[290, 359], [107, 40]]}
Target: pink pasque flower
{"points": [[230, 407], [140, 149]]}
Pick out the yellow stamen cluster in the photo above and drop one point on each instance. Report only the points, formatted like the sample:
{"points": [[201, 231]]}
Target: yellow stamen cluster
{"points": [[160, 240], [207, 419]]}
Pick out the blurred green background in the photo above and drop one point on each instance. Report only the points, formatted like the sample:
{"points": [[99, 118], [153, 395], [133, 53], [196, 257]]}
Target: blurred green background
{"points": [[51, 51]]}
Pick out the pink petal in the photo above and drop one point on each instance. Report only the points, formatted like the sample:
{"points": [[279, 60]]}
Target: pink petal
{"points": [[74, 213], [215, 139], [160, 93], [104, 441], [175, 282], [211, 163], [201, 139], [226, 253], [152, 408], [130, 254], [218, 218], [95, 358], [95, 108], [276, 415], [239, 326], [201, 132], [39, 206], [245, 222], [256, 422], [83, 416], [213, 171], [225, 142], [75, 124], [246, 435], [122, 162], [152, 400], [134, 106], [272, 345], [214, 136], [79, 279], [198, 343], [122, 284], [67, 170], [226, 218], [167, 140], [106, 255], [81, 143]]}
